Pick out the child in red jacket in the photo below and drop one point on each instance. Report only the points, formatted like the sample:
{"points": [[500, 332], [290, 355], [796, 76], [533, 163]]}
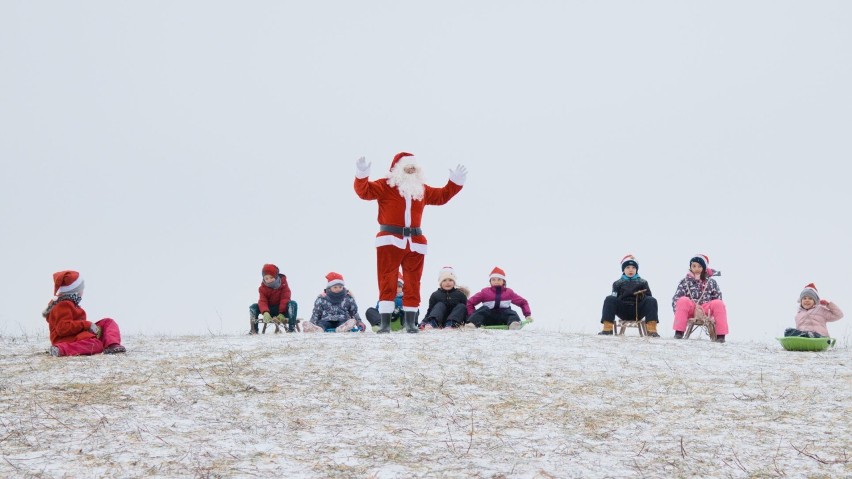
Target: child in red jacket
{"points": [[273, 303], [70, 333]]}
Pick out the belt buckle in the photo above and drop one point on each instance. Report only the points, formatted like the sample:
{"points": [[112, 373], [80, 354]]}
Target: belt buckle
{"points": [[406, 231]]}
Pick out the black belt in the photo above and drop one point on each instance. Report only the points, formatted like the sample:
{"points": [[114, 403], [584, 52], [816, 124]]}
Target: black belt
{"points": [[399, 230]]}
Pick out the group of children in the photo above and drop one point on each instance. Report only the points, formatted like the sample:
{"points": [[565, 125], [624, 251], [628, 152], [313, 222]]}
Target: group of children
{"points": [[450, 307], [631, 299]]}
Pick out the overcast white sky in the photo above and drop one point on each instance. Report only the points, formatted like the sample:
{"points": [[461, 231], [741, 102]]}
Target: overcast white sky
{"points": [[167, 150]]}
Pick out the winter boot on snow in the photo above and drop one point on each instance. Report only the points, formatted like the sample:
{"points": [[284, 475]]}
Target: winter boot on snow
{"points": [[678, 334], [384, 323], [410, 318], [720, 338], [607, 328], [652, 329]]}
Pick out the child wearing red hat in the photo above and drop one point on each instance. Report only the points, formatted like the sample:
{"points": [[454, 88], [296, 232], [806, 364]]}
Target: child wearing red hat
{"points": [[273, 304], [71, 334], [335, 309], [447, 305], [813, 314], [699, 290], [497, 301]]}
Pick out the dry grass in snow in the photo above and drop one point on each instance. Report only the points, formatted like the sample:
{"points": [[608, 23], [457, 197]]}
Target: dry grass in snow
{"points": [[482, 404]]}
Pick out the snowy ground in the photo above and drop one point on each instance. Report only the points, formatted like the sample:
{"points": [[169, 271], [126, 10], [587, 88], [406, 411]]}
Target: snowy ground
{"points": [[489, 404]]}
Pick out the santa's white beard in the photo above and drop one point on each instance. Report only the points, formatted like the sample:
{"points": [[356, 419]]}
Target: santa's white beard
{"points": [[408, 184]]}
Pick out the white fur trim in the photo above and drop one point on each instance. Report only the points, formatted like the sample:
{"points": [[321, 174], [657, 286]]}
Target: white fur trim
{"points": [[386, 307], [410, 308], [72, 286], [334, 282], [495, 275], [392, 240]]}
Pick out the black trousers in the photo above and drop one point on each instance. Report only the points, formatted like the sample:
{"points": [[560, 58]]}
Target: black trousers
{"points": [[485, 316], [440, 315], [612, 307]]}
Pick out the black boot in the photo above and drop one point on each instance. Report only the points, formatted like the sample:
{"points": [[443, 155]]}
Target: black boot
{"points": [[253, 324], [409, 318], [384, 323]]}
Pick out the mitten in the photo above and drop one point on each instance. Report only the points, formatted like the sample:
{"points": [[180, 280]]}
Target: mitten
{"points": [[95, 329], [267, 318], [281, 318], [458, 175], [824, 302]]}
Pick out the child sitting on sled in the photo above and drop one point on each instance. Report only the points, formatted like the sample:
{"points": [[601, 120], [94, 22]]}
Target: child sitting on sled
{"points": [[71, 334], [699, 290], [630, 299], [372, 314], [273, 303], [497, 301], [335, 309], [813, 315], [447, 305]]}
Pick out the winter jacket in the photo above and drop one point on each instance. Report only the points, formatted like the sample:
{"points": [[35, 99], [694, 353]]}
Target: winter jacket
{"points": [[324, 310], [699, 291], [814, 319], [280, 296], [451, 298], [500, 297], [624, 289], [67, 323], [394, 210]]}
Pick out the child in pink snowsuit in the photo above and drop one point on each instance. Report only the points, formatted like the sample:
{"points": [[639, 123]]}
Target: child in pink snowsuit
{"points": [[813, 314], [699, 288], [70, 333]]}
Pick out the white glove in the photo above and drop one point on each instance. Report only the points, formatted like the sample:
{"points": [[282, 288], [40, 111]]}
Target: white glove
{"points": [[458, 175], [362, 168]]}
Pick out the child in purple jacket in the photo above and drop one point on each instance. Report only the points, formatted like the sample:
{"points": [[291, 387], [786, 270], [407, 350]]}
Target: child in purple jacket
{"points": [[813, 315], [497, 301]]}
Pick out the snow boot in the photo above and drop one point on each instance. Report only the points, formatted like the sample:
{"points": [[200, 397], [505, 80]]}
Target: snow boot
{"points": [[384, 323], [608, 326], [720, 338], [515, 325], [410, 318], [678, 334], [652, 329], [115, 349]]}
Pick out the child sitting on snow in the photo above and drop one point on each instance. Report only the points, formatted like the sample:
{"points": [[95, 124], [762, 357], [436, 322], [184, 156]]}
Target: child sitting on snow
{"points": [[334, 309], [813, 315], [447, 305], [70, 333], [497, 301], [630, 299], [372, 314], [273, 303]]}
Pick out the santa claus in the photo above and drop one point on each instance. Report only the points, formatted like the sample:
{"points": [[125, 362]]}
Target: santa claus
{"points": [[400, 242]]}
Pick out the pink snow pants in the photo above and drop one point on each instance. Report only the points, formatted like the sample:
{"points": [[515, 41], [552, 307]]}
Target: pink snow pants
{"points": [[110, 335], [685, 308]]}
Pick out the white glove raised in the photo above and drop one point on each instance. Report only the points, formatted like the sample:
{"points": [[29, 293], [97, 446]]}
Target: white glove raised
{"points": [[362, 168], [458, 175]]}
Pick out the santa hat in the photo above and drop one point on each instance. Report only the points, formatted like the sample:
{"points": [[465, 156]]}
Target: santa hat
{"points": [[701, 259], [447, 272], [334, 279], [629, 260], [398, 157], [65, 282], [269, 269], [810, 291], [399, 280], [498, 273]]}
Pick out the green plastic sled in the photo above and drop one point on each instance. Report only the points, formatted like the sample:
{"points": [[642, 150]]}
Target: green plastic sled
{"points": [[503, 326], [797, 343]]}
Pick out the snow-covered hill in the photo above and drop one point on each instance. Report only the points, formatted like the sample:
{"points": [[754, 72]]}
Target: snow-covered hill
{"points": [[440, 404]]}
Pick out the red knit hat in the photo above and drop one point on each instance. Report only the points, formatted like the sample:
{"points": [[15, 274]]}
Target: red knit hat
{"points": [[333, 279], [498, 273], [67, 282], [399, 156], [269, 269]]}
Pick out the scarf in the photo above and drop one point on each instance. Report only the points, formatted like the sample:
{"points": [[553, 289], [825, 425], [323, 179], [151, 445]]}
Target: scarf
{"points": [[335, 298], [73, 297], [627, 278], [275, 284]]}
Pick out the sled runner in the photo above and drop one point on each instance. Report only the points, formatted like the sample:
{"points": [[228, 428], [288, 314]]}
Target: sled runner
{"points": [[291, 326], [798, 343], [503, 326]]}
